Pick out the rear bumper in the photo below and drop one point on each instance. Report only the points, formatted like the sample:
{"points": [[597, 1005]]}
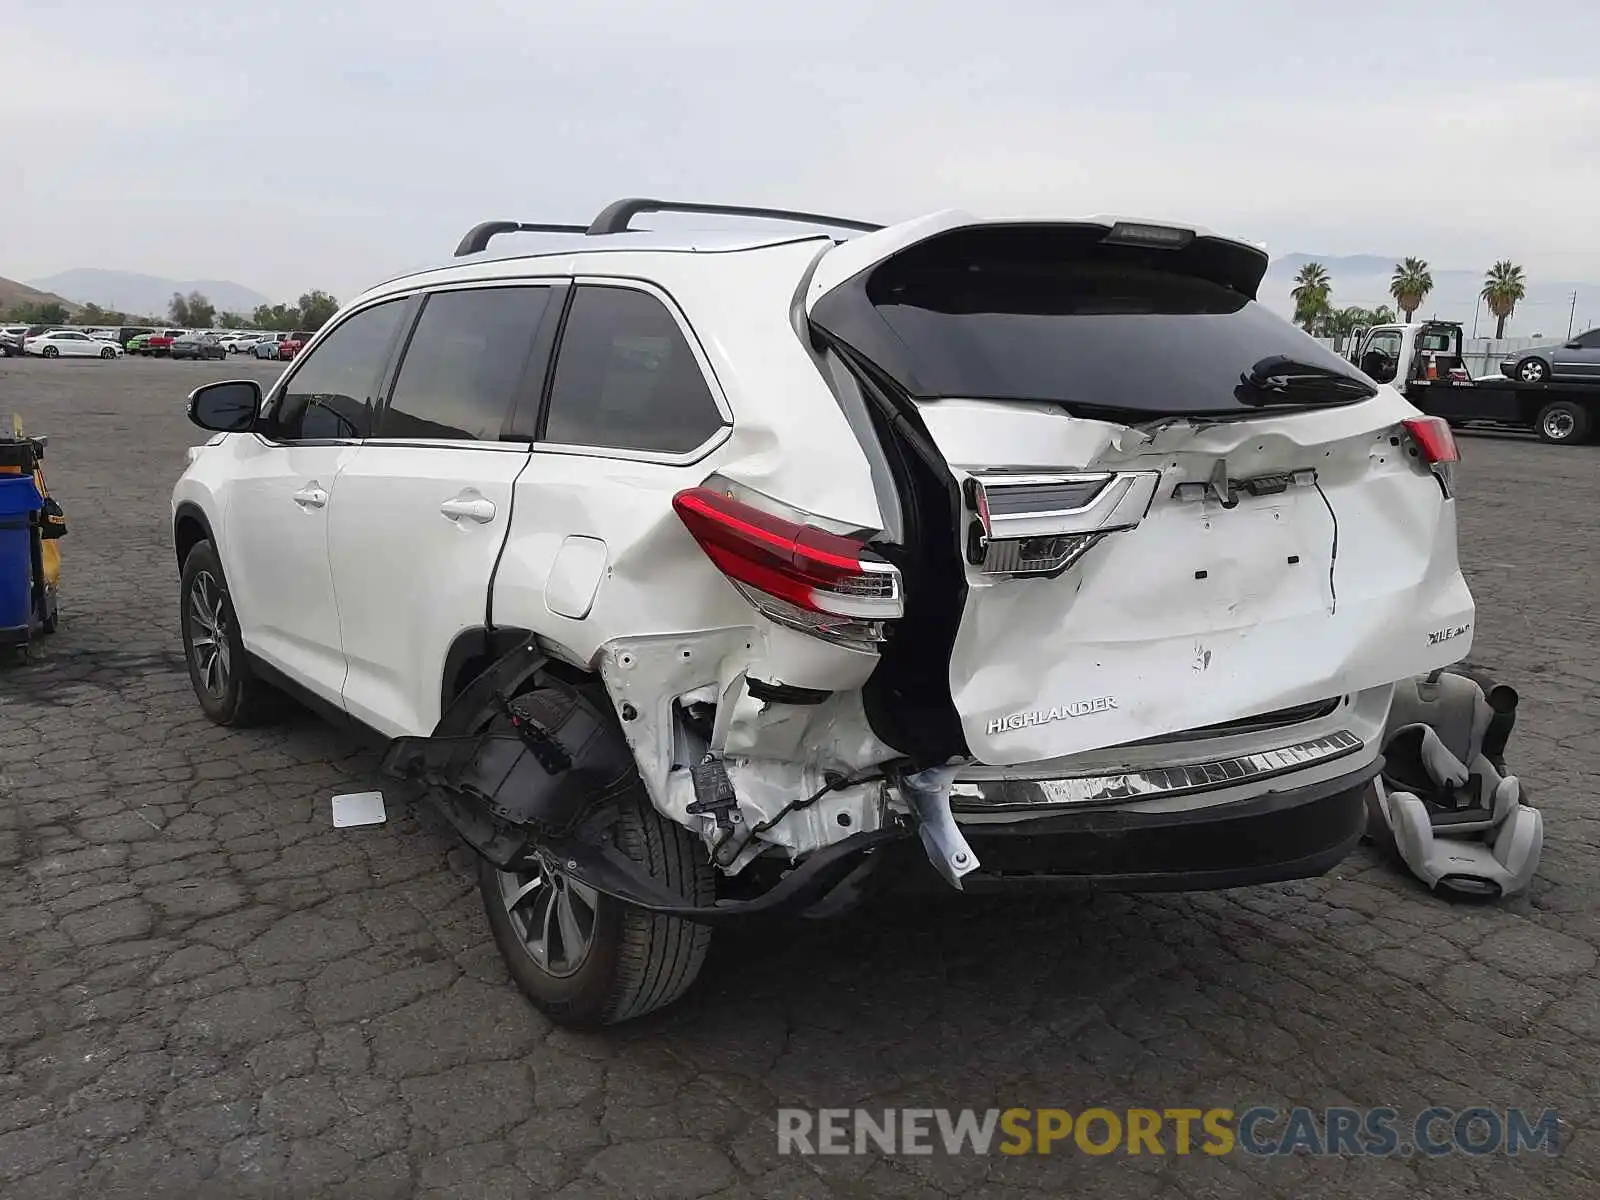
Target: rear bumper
{"points": [[1292, 834]]}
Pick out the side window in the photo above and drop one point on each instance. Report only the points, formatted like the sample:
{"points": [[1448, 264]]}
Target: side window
{"points": [[331, 390], [465, 364], [1590, 340], [626, 379], [1381, 358]]}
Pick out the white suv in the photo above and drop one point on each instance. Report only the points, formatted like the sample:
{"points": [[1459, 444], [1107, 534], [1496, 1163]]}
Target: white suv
{"points": [[698, 577]]}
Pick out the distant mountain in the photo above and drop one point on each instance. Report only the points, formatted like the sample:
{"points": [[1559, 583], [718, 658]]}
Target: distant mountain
{"points": [[12, 292], [1363, 279], [128, 292]]}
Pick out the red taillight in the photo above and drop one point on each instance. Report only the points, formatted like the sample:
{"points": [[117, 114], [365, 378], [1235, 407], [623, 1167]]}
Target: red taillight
{"points": [[1434, 439], [800, 566]]}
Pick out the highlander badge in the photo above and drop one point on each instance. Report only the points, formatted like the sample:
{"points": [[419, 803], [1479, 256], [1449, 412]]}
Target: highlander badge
{"points": [[1043, 716]]}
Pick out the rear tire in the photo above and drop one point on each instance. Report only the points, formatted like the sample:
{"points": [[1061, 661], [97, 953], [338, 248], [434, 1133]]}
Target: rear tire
{"points": [[633, 962], [219, 669], [1562, 423], [1533, 370]]}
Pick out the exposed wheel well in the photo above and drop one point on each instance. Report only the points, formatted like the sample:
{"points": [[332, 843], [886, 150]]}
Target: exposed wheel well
{"points": [[188, 531], [476, 650]]}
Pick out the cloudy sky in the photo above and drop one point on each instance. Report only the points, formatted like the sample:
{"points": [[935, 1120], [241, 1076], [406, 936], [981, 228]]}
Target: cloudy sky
{"points": [[289, 144]]}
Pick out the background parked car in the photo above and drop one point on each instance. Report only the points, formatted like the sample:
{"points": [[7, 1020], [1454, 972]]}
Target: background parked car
{"points": [[69, 343], [198, 346], [1575, 361], [160, 342], [11, 340], [290, 346], [267, 347]]}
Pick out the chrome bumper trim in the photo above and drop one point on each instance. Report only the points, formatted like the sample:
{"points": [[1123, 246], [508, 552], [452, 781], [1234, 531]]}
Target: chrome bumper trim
{"points": [[1001, 795]]}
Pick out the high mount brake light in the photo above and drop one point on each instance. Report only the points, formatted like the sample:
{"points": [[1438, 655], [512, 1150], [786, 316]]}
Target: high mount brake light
{"points": [[797, 574]]}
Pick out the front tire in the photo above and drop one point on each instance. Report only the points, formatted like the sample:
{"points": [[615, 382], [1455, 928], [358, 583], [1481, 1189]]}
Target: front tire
{"points": [[49, 352], [1562, 422], [219, 670], [1533, 370], [587, 960], [108, 353]]}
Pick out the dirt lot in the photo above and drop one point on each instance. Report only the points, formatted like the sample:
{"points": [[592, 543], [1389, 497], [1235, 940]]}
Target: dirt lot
{"points": [[205, 990]]}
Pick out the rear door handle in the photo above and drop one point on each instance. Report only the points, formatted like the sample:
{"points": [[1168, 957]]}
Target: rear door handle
{"points": [[311, 496], [473, 508]]}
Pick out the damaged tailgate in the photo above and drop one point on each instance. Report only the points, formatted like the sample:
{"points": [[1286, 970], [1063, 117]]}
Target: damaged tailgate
{"points": [[1177, 509]]}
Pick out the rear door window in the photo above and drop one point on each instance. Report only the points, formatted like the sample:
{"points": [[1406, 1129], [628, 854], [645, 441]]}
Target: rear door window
{"points": [[466, 364], [626, 377]]}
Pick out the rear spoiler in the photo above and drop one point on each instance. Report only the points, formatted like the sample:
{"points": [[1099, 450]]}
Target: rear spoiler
{"points": [[955, 235]]}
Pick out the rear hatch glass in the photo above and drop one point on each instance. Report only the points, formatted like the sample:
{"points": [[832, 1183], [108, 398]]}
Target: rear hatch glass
{"points": [[1051, 314]]}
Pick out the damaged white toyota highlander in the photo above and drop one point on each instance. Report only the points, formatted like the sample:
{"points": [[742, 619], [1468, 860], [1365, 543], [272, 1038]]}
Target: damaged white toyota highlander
{"points": [[714, 576]]}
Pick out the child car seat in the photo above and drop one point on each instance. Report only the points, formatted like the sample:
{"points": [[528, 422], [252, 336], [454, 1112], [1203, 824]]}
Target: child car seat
{"points": [[1444, 802]]}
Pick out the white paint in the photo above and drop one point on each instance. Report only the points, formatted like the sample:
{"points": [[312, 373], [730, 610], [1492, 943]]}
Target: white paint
{"points": [[360, 599], [575, 576]]}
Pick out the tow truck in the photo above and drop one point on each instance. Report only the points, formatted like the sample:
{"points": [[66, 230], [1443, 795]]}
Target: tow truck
{"points": [[1424, 361]]}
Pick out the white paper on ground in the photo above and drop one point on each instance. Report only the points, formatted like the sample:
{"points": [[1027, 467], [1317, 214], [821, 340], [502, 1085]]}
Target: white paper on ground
{"points": [[358, 808]]}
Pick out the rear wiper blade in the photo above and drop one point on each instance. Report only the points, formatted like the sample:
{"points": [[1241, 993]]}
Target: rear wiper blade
{"points": [[1281, 379]]}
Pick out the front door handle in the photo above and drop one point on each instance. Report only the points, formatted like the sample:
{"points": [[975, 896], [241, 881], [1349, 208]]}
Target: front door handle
{"points": [[473, 508], [311, 496]]}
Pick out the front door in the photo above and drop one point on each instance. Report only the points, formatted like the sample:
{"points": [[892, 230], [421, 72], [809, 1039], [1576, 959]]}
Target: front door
{"points": [[1579, 360], [425, 506], [275, 525]]}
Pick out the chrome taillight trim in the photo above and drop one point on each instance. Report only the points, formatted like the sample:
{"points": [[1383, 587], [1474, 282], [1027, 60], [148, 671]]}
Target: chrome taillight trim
{"points": [[1008, 538], [1009, 795], [1120, 502]]}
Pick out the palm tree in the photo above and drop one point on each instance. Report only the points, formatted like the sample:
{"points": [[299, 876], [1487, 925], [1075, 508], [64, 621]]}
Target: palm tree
{"points": [[1503, 286], [1410, 285], [1310, 292]]}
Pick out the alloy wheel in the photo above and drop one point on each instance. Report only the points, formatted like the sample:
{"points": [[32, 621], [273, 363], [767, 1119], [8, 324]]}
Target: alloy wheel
{"points": [[208, 636], [554, 918]]}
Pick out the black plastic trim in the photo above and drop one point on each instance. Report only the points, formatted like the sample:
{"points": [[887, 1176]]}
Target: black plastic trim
{"points": [[784, 693], [1290, 834], [533, 403], [188, 510], [478, 648], [479, 236], [617, 216], [332, 713]]}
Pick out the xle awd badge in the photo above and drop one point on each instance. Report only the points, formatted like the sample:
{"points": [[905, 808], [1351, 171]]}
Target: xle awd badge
{"points": [[1043, 716], [1439, 636]]}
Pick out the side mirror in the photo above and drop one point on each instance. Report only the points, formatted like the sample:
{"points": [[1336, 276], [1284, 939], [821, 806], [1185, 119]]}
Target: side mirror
{"points": [[227, 407], [1573, 346]]}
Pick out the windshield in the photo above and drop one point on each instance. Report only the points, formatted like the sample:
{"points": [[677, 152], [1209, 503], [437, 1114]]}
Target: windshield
{"points": [[1095, 332]]}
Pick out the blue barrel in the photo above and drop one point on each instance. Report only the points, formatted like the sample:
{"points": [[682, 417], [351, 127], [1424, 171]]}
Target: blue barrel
{"points": [[19, 499]]}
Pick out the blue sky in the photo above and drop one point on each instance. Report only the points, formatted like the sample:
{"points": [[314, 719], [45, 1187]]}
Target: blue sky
{"points": [[291, 144]]}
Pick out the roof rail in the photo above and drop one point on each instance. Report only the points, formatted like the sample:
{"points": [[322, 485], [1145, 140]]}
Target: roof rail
{"points": [[615, 217], [478, 237]]}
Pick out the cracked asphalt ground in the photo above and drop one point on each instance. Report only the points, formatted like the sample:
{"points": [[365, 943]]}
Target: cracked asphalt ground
{"points": [[206, 990]]}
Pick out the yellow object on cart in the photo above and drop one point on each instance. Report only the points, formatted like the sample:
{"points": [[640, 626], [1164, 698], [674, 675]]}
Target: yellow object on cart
{"points": [[53, 522]]}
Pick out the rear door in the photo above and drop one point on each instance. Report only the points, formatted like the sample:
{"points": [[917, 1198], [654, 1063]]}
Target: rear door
{"points": [[425, 505], [1177, 509]]}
